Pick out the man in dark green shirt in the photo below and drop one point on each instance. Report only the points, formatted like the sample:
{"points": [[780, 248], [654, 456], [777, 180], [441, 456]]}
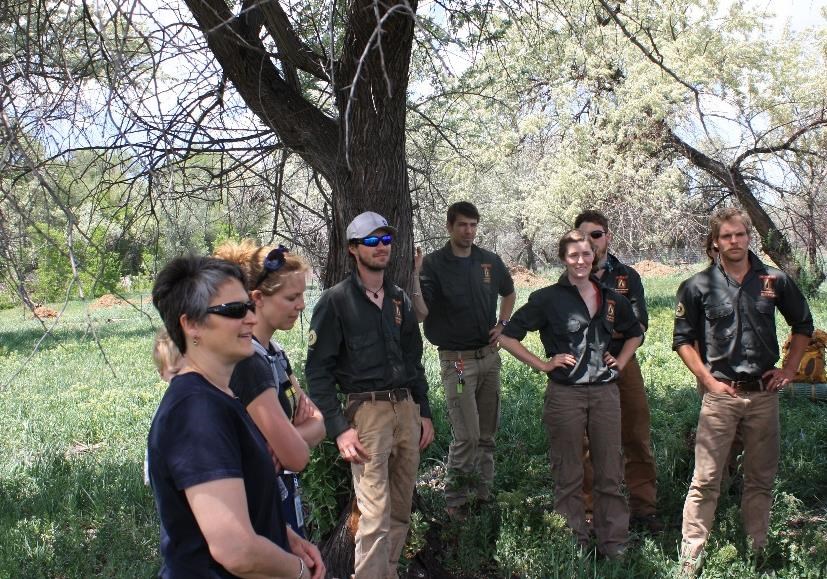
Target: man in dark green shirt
{"points": [[456, 294], [364, 337]]}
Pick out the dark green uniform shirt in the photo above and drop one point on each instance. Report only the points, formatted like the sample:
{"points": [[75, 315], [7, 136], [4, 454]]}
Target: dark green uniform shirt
{"points": [[562, 318], [626, 281], [361, 348], [734, 324], [461, 295]]}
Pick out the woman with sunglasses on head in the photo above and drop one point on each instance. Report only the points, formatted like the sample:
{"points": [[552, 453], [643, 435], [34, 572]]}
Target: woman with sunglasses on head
{"points": [[577, 318], [265, 383], [210, 469]]}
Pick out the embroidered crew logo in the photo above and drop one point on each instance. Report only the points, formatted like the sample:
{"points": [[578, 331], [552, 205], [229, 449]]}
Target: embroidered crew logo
{"points": [[610, 310], [768, 286], [397, 314], [486, 272], [622, 286], [680, 311]]}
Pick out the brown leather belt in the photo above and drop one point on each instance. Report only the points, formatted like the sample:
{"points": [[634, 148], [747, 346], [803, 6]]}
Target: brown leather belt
{"points": [[453, 355], [748, 385], [395, 395]]}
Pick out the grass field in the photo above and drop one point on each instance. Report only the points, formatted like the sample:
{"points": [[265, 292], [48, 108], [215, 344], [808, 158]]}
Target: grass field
{"points": [[74, 418]]}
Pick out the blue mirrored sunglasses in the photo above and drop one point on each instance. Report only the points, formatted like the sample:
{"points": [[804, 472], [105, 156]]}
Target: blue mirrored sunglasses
{"points": [[235, 310], [373, 240]]}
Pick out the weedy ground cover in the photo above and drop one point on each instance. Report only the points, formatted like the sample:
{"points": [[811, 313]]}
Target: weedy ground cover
{"points": [[72, 436]]}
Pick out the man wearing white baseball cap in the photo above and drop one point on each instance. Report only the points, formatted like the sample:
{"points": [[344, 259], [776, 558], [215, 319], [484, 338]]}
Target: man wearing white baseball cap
{"points": [[364, 337]]}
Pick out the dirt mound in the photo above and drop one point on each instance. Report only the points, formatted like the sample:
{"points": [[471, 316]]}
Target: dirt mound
{"points": [[524, 277], [44, 312], [108, 301], [654, 269]]}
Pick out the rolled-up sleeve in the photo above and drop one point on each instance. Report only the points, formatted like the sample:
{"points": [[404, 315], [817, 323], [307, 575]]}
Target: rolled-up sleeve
{"points": [[688, 313], [795, 309], [529, 318]]}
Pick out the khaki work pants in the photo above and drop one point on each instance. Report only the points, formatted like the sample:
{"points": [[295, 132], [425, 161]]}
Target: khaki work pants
{"points": [[568, 413], [474, 413], [757, 415], [390, 431], [635, 434]]}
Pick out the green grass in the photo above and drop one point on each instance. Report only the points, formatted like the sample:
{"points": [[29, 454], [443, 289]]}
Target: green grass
{"points": [[72, 436]]}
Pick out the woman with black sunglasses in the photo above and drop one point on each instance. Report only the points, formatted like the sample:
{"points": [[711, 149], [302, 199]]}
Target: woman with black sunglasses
{"points": [[210, 469], [290, 422]]}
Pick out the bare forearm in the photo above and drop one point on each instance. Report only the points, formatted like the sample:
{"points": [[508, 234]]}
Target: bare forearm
{"points": [[507, 305], [266, 560], [798, 345], [312, 431], [419, 306], [516, 349], [628, 350], [692, 359]]}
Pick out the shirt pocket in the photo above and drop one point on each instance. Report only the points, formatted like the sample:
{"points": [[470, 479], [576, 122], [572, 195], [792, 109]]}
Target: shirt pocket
{"points": [[568, 331], [365, 351], [720, 320]]}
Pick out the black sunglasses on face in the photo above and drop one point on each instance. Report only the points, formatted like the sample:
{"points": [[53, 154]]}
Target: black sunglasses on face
{"points": [[373, 240], [596, 234], [235, 310]]}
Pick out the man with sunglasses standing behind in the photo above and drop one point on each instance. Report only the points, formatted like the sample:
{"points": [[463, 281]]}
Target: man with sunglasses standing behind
{"points": [[458, 302], [364, 336], [635, 422]]}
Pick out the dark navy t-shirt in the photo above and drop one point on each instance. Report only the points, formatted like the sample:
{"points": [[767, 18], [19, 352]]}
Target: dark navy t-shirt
{"points": [[198, 435]]}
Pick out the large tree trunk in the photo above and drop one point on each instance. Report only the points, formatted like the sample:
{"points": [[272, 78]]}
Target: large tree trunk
{"points": [[371, 172], [362, 153]]}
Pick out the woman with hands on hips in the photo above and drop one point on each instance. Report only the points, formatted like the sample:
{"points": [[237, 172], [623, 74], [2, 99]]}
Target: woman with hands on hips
{"points": [[576, 318]]}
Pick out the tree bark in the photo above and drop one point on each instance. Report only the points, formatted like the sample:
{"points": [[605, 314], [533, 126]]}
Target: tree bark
{"points": [[361, 154], [371, 82]]}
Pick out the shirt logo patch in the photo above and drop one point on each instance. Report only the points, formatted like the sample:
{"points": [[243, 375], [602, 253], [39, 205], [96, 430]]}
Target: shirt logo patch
{"points": [[610, 310], [768, 286], [680, 311], [311, 337], [486, 272], [622, 286], [397, 314]]}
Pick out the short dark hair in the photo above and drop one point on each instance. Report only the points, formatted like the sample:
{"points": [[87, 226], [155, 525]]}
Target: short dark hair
{"points": [[464, 208], [591, 216], [185, 286], [576, 236]]}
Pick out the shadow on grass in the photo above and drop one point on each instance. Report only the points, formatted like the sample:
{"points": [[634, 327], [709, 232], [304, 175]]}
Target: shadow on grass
{"points": [[22, 340], [77, 516]]}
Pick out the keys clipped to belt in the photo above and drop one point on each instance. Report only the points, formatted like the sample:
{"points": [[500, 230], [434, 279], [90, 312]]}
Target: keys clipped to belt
{"points": [[459, 366]]}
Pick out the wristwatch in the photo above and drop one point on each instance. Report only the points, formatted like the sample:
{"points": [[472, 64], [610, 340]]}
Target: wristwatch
{"points": [[502, 323]]}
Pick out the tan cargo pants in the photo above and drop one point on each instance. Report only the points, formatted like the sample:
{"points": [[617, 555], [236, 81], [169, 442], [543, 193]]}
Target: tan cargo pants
{"points": [[390, 432], [721, 415], [474, 413]]}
